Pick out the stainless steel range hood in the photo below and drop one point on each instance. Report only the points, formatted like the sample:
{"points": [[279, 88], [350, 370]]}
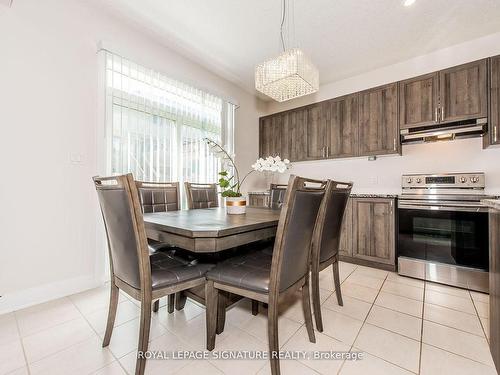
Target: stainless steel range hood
{"points": [[445, 132]]}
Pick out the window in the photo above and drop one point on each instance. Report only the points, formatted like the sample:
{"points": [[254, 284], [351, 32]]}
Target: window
{"points": [[156, 125]]}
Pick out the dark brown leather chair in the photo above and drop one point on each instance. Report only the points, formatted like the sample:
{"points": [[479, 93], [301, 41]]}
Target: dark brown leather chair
{"points": [[201, 195], [162, 197], [267, 277], [325, 250], [133, 270], [277, 195]]}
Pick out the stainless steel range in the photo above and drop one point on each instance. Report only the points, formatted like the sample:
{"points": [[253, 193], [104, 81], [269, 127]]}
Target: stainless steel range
{"points": [[443, 229]]}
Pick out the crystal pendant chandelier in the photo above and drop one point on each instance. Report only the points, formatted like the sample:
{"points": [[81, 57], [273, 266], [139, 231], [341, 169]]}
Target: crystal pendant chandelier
{"points": [[287, 76]]}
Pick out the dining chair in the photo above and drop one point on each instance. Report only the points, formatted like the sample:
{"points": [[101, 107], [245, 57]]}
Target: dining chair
{"points": [[277, 195], [143, 276], [326, 240], [201, 195], [269, 277], [161, 197]]}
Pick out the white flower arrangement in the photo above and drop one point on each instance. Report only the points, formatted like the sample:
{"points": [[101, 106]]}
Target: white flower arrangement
{"points": [[271, 164]]}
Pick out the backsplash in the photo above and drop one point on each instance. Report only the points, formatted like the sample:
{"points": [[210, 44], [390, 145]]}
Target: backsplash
{"points": [[383, 176]]}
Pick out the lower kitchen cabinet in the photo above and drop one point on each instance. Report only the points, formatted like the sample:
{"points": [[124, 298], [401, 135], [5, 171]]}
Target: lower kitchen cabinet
{"points": [[495, 285], [369, 233], [345, 247]]}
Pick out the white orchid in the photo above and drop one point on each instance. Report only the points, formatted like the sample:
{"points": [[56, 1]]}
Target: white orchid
{"points": [[271, 164]]}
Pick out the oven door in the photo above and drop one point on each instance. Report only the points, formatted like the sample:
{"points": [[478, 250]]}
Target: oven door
{"points": [[451, 234]]}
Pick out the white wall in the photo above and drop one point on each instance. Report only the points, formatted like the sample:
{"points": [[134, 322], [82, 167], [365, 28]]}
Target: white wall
{"points": [[384, 175], [49, 111]]}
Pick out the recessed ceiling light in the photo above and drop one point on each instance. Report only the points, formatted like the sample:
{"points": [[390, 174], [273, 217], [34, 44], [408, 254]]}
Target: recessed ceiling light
{"points": [[407, 3]]}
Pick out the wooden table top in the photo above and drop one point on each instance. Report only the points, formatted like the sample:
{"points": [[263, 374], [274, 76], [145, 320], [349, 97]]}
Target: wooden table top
{"points": [[211, 222]]}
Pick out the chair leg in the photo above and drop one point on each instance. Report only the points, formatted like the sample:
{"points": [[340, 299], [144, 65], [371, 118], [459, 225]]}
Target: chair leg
{"points": [[336, 279], [113, 305], [316, 301], [170, 303], [255, 307], [272, 333], [211, 297], [156, 305], [306, 306], [145, 325], [221, 311], [180, 301]]}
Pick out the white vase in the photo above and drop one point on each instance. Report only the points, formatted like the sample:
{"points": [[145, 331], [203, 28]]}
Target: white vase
{"points": [[236, 205]]}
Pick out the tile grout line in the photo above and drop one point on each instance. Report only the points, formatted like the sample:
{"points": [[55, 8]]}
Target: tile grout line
{"points": [[421, 332], [362, 325], [22, 343], [99, 337], [479, 317]]}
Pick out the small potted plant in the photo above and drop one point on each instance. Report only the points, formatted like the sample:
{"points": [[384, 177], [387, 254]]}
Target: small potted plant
{"points": [[229, 177]]}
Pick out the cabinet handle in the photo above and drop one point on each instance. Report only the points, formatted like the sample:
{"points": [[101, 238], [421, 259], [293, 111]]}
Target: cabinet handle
{"points": [[392, 204], [436, 114], [495, 134], [323, 151], [442, 113], [394, 144], [327, 151]]}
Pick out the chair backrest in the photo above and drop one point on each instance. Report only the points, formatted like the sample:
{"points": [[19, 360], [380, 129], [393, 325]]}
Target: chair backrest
{"points": [[159, 196], [201, 195], [127, 241], [326, 239], [292, 247], [277, 195]]}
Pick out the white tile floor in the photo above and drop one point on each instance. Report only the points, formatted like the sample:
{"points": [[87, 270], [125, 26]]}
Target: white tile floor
{"points": [[402, 325]]}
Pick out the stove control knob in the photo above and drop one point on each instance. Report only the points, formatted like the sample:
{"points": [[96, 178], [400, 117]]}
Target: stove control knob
{"points": [[463, 180], [419, 180], [474, 179], [409, 180]]}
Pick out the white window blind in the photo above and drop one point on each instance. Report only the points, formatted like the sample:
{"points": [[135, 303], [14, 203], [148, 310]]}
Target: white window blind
{"points": [[156, 125]]}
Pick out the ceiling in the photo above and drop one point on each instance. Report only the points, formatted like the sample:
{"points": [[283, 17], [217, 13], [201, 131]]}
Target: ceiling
{"points": [[342, 37]]}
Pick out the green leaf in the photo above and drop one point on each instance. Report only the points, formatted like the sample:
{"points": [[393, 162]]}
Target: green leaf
{"points": [[223, 173]]}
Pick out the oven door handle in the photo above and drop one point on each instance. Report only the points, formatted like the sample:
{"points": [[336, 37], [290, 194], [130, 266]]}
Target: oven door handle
{"points": [[437, 207]]}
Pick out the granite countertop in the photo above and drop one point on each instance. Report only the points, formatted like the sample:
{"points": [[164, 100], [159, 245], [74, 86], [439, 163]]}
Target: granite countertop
{"points": [[359, 195], [491, 203], [354, 195]]}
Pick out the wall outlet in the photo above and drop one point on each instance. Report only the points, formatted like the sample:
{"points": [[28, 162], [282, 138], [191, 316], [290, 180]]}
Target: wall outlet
{"points": [[373, 180]]}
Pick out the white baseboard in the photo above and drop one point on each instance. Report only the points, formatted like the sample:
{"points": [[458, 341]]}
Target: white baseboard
{"points": [[47, 292]]}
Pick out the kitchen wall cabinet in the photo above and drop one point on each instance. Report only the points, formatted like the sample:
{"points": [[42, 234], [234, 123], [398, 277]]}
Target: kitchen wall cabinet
{"points": [[374, 230], [419, 101], [345, 247], [493, 136], [342, 121], [378, 121], [317, 132], [368, 123], [294, 135], [463, 92], [270, 129]]}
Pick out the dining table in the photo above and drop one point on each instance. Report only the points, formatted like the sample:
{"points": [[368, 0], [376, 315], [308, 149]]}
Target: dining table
{"points": [[210, 231]]}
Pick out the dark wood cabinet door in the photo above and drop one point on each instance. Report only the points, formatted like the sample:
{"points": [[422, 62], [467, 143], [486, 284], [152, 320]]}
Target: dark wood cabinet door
{"points": [[418, 101], [345, 247], [294, 143], [270, 136], [373, 230], [378, 121], [317, 118], [494, 223], [463, 92], [343, 123], [494, 118]]}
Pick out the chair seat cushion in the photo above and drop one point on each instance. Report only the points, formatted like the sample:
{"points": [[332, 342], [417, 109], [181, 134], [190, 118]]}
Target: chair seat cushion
{"points": [[250, 271], [157, 246], [175, 266]]}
